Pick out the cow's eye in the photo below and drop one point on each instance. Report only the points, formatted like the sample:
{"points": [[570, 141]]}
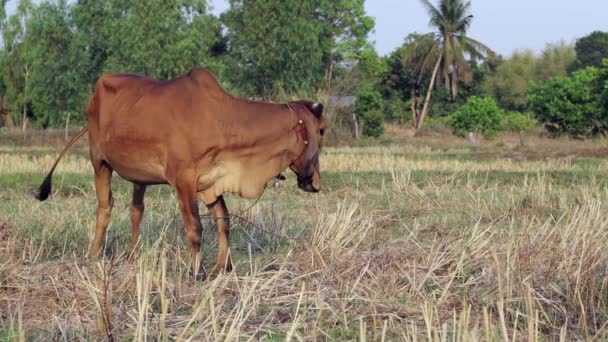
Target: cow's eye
{"points": [[322, 131]]}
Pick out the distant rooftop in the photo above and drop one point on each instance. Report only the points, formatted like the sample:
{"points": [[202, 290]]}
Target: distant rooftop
{"points": [[341, 101]]}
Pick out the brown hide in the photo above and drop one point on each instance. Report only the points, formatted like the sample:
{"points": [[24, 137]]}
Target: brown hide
{"points": [[152, 132]]}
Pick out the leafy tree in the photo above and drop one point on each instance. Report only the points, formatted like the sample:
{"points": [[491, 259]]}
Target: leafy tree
{"points": [[479, 73], [445, 105], [369, 109], [399, 86], [509, 83], [556, 59], [443, 52], [15, 63], [4, 119], [295, 46], [516, 122], [373, 124], [603, 84], [591, 49], [368, 99], [56, 65], [442, 104], [345, 27], [160, 38], [396, 84], [395, 110], [3, 109], [479, 114], [2, 11], [396, 80], [92, 20], [570, 105], [275, 46], [349, 80], [54, 51]]}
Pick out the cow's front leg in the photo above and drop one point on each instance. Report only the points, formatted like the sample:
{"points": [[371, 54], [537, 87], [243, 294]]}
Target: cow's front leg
{"points": [[220, 214], [194, 229]]}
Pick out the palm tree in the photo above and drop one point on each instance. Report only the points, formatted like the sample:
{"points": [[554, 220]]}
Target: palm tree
{"points": [[443, 52]]}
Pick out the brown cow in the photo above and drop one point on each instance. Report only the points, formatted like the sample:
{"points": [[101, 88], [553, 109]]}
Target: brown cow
{"points": [[193, 135]]}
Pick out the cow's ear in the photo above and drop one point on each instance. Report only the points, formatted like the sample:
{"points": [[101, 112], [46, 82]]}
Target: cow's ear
{"points": [[317, 109]]}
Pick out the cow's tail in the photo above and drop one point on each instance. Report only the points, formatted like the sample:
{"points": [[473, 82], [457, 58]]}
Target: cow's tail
{"points": [[45, 188]]}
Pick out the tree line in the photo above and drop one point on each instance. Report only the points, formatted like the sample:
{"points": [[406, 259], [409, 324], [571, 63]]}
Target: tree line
{"points": [[53, 51]]}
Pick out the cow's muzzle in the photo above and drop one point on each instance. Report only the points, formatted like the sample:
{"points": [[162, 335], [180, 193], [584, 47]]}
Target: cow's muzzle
{"points": [[310, 183]]}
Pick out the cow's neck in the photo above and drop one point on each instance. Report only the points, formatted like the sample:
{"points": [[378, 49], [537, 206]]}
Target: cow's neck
{"points": [[275, 139], [269, 143]]}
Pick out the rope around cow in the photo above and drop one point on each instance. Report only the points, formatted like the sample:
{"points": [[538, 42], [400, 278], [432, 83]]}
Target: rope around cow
{"points": [[257, 227]]}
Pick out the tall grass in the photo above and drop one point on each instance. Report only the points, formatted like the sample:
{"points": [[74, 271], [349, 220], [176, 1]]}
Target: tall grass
{"points": [[491, 249]]}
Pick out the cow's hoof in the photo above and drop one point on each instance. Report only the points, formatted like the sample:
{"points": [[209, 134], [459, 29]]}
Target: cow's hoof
{"points": [[201, 275], [97, 257], [217, 270]]}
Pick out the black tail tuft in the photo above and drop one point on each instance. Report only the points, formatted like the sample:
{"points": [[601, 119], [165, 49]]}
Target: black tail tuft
{"points": [[45, 188]]}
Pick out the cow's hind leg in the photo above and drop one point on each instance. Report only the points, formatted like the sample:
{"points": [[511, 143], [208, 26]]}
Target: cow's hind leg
{"points": [[103, 181], [137, 211], [186, 195], [220, 214]]}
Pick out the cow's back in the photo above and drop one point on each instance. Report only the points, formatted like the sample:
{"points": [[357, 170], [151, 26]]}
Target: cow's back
{"points": [[138, 124]]}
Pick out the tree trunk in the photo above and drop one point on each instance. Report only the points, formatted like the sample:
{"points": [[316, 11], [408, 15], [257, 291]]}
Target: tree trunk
{"points": [[24, 119], [522, 138], [425, 108], [414, 108], [355, 127], [154, 68], [329, 69], [454, 89], [67, 125]]}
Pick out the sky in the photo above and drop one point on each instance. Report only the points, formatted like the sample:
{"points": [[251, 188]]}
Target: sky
{"points": [[505, 26]]}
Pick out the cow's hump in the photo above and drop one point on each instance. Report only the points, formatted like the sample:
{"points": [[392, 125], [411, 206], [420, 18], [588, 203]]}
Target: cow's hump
{"points": [[204, 78], [114, 82]]}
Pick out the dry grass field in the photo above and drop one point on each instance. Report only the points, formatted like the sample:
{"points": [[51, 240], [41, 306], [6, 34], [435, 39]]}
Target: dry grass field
{"points": [[421, 239]]}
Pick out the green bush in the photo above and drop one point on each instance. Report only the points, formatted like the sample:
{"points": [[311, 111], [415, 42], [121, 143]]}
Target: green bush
{"points": [[396, 110], [516, 121], [478, 114], [369, 109], [570, 105], [373, 123], [368, 100], [442, 104], [603, 84]]}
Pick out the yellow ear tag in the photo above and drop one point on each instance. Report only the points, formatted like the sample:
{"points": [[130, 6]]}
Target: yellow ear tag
{"points": [[305, 142]]}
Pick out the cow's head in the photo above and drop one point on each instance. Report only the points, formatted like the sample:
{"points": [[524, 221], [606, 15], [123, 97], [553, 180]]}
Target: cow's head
{"points": [[311, 130]]}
